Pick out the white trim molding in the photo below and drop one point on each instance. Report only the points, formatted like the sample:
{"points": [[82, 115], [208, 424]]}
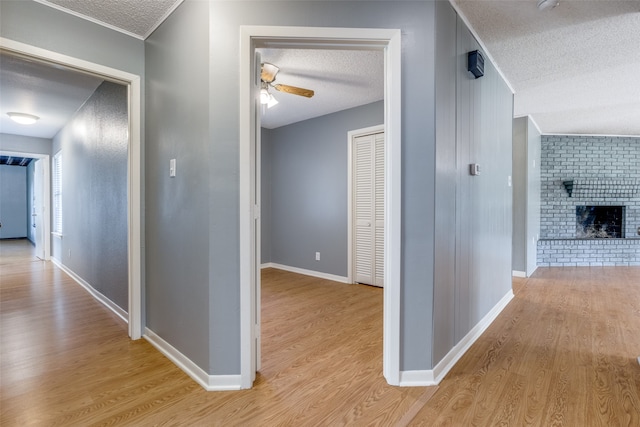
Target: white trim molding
{"points": [[134, 163], [516, 273], [97, 295], [312, 273], [208, 382], [389, 42], [434, 376]]}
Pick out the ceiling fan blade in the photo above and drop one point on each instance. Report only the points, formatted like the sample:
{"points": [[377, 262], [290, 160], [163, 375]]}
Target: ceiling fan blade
{"points": [[268, 73], [294, 90]]}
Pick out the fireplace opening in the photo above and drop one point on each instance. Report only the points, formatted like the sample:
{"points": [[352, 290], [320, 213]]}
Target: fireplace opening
{"points": [[599, 222]]}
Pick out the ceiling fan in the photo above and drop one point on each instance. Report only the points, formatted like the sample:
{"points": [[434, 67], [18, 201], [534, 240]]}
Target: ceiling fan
{"points": [[268, 76]]}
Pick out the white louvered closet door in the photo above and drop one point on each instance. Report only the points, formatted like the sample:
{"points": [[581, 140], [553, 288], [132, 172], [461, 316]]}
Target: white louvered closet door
{"points": [[369, 208]]}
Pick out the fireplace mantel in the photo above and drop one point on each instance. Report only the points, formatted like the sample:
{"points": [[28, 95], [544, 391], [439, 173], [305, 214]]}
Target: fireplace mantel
{"points": [[602, 187]]}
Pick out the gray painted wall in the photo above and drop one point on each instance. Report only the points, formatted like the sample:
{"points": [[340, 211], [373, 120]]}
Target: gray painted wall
{"points": [[534, 190], [47, 28], [42, 26], [526, 194], [94, 148], [446, 182], [309, 189], [13, 201], [200, 291], [24, 144], [474, 213], [173, 48], [417, 21], [484, 203], [178, 209]]}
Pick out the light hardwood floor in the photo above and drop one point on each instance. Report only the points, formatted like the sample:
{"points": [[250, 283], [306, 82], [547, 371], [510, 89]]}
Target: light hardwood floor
{"points": [[562, 353]]}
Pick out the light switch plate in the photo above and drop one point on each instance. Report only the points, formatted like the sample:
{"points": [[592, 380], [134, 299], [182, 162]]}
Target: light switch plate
{"points": [[172, 168]]}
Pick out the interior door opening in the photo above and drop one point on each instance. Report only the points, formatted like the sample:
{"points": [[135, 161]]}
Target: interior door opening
{"points": [[257, 37], [134, 202]]}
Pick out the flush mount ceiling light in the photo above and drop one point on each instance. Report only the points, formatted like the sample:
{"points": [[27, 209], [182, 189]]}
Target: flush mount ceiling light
{"points": [[23, 119], [547, 4]]}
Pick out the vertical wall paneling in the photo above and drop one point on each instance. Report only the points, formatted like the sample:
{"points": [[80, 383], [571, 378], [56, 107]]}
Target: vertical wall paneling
{"points": [[474, 215], [446, 178]]}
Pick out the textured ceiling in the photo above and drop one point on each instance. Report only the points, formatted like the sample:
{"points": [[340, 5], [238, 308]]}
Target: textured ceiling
{"points": [[575, 68], [135, 17], [341, 79], [52, 93]]}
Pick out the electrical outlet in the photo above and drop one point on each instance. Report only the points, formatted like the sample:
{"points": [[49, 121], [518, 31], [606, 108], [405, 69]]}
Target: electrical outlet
{"points": [[317, 256]]}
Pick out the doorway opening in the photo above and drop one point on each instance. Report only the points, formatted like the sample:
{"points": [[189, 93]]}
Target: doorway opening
{"points": [[134, 165], [41, 203], [252, 38]]}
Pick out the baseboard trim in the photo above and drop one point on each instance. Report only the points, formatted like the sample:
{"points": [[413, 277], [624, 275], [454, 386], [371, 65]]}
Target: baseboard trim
{"points": [[435, 375], [417, 378], [516, 273], [94, 293], [208, 382], [312, 273]]}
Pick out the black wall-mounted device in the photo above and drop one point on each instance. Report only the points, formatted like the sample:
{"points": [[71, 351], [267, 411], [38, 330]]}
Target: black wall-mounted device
{"points": [[475, 63]]}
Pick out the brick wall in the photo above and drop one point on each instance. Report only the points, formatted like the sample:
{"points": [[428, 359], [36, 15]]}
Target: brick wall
{"points": [[608, 160]]}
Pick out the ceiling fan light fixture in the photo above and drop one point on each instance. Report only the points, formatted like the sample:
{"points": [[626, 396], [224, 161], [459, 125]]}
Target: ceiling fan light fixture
{"points": [[265, 96], [272, 101], [547, 4], [23, 118]]}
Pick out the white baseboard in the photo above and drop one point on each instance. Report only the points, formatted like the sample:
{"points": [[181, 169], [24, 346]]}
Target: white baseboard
{"points": [[516, 273], [417, 378], [311, 273], [434, 376], [94, 293], [208, 382]]}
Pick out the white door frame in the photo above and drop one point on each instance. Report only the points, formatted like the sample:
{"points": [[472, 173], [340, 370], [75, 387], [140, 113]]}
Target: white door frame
{"points": [[389, 41], [351, 136], [46, 184], [134, 164]]}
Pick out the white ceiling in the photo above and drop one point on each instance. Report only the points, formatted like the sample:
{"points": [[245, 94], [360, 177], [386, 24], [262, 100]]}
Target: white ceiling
{"points": [[341, 79], [574, 68], [138, 18], [52, 93]]}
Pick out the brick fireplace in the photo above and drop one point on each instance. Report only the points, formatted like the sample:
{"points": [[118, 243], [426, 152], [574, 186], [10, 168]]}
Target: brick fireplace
{"points": [[587, 181]]}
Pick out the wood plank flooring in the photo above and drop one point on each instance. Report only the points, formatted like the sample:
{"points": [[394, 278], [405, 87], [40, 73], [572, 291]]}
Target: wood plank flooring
{"points": [[562, 353]]}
